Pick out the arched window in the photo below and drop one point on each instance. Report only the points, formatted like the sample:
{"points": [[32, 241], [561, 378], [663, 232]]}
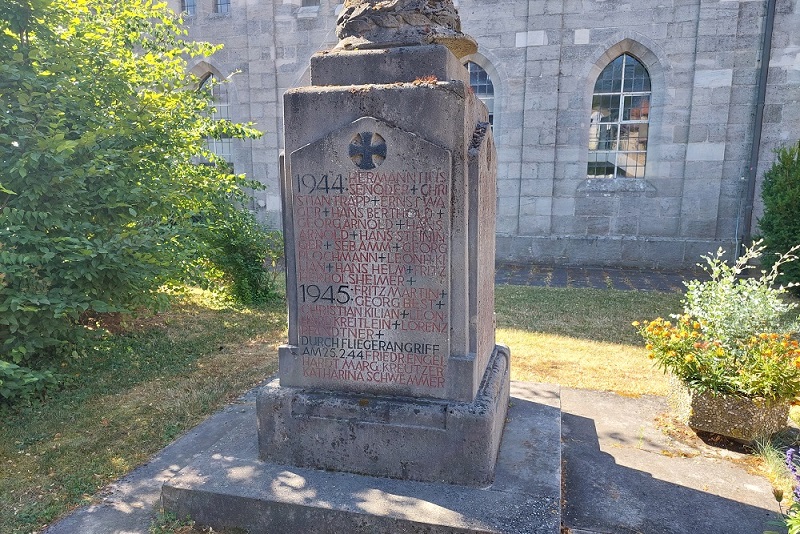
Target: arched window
{"points": [[221, 111], [619, 121], [482, 86]]}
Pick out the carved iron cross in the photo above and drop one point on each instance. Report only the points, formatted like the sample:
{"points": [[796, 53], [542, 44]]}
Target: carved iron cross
{"points": [[367, 150]]}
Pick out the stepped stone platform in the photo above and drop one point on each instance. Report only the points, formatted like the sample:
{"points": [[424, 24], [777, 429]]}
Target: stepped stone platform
{"points": [[231, 487], [621, 473]]}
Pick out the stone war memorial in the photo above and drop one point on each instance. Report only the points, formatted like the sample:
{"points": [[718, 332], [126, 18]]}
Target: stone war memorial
{"points": [[391, 409]]}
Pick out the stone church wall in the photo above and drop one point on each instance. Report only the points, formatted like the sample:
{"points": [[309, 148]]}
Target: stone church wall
{"points": [[543, 57]]}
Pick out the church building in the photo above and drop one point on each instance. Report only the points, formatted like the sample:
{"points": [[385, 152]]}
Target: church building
{"points": [[629, 132]]}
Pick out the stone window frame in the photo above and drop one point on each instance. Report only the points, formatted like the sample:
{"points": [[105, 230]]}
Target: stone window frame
{"points": [[624, 135], [308, 9], [496, 80], [632, 44]]}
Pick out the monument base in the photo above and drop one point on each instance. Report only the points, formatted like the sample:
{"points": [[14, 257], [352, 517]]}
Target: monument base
{"points": [[233, 489], [427, 440]]}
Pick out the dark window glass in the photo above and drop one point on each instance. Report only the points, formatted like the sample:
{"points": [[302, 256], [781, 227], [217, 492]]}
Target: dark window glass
{"points": [[189, 7], [222, 6]]}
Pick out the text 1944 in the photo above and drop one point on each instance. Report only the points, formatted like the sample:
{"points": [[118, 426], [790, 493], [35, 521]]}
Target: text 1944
{"points": [[310, 183]]}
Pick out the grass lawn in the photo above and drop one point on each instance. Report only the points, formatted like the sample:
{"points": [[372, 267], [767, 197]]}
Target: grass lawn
{"points": [[138, 389], [129, 397], [581, 338]]}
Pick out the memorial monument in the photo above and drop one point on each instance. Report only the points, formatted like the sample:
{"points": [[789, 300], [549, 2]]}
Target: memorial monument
{"points": [[389, 189], [391, 378]]}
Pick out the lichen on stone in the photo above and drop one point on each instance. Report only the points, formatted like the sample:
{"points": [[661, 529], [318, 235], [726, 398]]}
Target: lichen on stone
{"points": [[390, 23]]}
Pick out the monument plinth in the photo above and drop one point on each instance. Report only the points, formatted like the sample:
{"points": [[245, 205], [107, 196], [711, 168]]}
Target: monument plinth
{"points": [[392, 394]]}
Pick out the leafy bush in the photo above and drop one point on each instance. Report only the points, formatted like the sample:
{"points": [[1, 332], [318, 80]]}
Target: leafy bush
{"points": [[245, 252], [735, 335], [732, 306], [100, 134], [18, 384], [780, 225]]}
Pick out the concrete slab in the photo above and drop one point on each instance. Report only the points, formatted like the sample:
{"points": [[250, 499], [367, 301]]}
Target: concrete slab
{"points": [[232, 488], [623, 474]]}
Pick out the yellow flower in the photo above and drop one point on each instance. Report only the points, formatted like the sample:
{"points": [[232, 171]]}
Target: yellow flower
{"points": [[635, 323], [689, 358]]}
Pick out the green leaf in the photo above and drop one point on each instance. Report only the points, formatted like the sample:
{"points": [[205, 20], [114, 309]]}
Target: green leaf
{"points": [[101, 194]]}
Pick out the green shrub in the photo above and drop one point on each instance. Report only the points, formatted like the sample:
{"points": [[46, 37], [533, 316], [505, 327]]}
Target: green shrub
{"points": [[780, 224], [736, 333], [245, 252], [19, 384], [732, 306], [100, 136]]}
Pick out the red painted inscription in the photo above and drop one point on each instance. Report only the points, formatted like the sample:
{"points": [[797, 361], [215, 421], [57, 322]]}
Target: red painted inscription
{"points": [[373, 260]]}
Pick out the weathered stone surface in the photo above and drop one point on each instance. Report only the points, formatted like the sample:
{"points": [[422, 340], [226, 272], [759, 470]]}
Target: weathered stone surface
{"points": [[391, 367], [446, 116], [740, 418], [388, 23], [386, 66], [372, 263], [542, 102], [230, 488], [388, 436]]}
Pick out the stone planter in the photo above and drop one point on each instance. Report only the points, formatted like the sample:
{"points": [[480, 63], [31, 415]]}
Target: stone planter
{"points": [[743, 419]]}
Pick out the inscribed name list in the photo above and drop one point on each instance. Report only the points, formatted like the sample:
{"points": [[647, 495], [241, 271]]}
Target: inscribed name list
{"points": [[372, 231]]}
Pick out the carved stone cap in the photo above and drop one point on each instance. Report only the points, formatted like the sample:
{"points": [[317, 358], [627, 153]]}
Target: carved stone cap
{"points": [[392, 23]]}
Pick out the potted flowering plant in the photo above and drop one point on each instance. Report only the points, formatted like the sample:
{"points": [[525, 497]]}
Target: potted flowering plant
{"points": [[732, 355]]}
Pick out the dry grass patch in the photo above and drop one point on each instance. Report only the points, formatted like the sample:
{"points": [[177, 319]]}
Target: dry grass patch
{"points": [[133, 393], [581, 338], [580, 363]]}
